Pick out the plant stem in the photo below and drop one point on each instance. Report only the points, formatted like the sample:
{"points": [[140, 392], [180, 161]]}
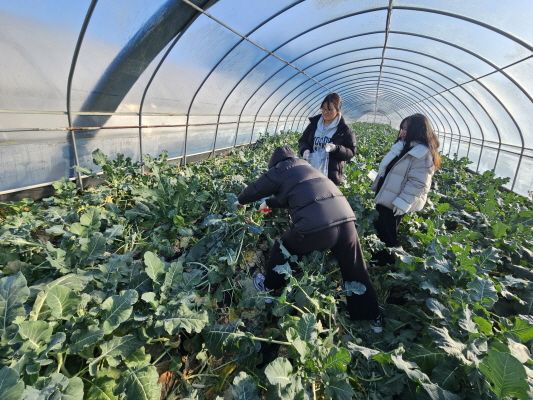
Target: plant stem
{"points": [[269, 340]]}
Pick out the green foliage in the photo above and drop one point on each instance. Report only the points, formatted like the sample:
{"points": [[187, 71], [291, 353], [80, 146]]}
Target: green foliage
{"points": [[151, 271]]}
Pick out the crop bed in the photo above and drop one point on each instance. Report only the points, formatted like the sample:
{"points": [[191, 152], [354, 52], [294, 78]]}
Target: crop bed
{"points": [[141, 288]]}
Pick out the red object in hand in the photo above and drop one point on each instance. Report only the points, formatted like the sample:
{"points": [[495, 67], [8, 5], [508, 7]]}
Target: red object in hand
{"points": [[265, 210]]}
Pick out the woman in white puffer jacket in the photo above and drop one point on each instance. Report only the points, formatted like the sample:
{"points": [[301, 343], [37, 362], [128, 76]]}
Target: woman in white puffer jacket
{"points": [[404, 179]]}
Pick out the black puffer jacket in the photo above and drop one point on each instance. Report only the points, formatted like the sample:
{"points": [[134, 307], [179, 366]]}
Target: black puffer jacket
{"points": [[314, 202], [345, 149]]}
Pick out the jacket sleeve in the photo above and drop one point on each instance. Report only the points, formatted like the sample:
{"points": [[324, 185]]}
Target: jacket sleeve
{"points": [[264, 186], [272, 202], [418, 183], [303, 142], [345, 150]]}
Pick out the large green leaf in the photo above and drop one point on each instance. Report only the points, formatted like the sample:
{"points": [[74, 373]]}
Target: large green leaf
{"points": [[35, 333], [117, 309], [114, 350], [339, 389], [278, 372], [63, 302], [521, 329], [83, 338], [483, 291], [244, 387], [221, 335], [488, 258], [336, 361], [96, 246], [13, 294], [11, 387], [173, 275], [139, 384], [307, 327], [101, 387], [427, 358], [506, 374], [155, 268], [91, 218], [72, 281]]}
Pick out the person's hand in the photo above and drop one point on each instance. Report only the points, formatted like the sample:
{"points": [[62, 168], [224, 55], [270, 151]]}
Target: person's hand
{"points": [[397, 211], [305, 155], [330, 147], [264, 207], [238, 204]]}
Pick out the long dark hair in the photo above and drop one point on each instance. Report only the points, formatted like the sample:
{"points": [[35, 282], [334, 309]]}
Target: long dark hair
{"points": [[419, 130]]}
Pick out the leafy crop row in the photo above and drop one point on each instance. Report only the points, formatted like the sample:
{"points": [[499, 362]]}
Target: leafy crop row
{"points": [[141, 288]]}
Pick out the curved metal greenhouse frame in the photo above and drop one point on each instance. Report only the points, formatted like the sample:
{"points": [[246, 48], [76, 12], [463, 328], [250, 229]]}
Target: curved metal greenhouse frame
{"points": [[199, 77]]}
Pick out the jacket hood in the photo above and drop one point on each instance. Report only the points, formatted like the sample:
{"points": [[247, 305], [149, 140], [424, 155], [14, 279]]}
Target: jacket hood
{"points": [[418, 150], [281, 154]]}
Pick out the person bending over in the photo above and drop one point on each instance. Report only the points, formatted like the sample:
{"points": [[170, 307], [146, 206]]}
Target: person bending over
{"points": [[322, 219]]}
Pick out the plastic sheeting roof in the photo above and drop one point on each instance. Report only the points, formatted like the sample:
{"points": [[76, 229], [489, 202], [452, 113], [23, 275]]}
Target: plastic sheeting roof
{"points": [[143, 76]]}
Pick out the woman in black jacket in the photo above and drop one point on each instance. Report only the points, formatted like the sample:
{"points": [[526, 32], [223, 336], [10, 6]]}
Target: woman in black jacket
{"points": [[329, 132], [322, 218]]}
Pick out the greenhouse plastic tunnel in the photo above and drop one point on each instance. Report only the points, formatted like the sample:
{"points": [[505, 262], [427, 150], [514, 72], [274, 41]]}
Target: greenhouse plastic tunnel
{"points": [[197, 77], [131, 132]]}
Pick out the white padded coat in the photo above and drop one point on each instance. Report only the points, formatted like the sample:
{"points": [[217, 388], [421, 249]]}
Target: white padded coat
{"points": [[408, 182]]}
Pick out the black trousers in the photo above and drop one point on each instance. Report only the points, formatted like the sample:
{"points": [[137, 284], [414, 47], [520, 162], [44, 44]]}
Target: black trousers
{"points": [[387, 231], [344, 244]]}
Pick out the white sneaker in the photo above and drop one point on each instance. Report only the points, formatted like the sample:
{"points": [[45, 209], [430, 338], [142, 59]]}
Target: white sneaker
{"points": [[259, 284], [376, 325]]}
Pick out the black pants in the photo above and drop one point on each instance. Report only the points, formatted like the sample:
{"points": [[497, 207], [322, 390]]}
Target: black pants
{"points": [[387, 231], [344, 244]]}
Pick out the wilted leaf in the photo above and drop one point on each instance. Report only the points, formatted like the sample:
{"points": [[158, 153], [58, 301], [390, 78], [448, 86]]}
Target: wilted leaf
{"points": [[186, 319], [444, 341]]}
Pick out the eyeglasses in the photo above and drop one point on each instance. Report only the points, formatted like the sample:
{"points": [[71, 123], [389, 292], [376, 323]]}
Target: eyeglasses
{"points": [[327, 110]]}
